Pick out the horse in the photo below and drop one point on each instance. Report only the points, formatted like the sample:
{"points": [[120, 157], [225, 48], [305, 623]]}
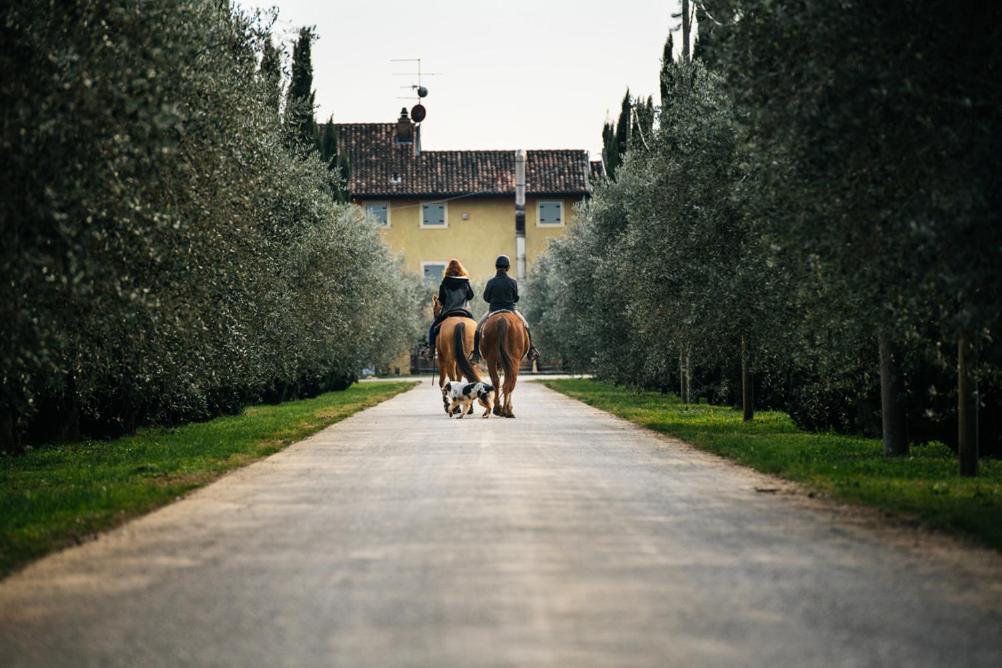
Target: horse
{"points": [[454, 344], [504, 341]]}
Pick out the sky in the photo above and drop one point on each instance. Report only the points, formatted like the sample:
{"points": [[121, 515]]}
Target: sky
{"points": [[526, 74]]}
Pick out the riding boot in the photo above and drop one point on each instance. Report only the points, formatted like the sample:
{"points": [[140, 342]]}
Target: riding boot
{"points": [[475, 355], [532, 355]]}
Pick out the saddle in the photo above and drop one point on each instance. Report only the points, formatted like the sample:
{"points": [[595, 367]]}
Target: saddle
{"points": [[457, 312]]}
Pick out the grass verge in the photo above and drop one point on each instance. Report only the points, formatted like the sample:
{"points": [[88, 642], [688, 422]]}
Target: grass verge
{"points": [[56, 495], [924, 486]]}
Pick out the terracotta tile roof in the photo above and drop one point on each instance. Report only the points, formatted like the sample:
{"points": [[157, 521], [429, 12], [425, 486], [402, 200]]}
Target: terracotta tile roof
{"points": [[379, 167], [597, 169]]}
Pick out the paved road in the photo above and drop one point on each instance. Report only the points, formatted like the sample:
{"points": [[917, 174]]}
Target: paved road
{"points": [[565, 538]]}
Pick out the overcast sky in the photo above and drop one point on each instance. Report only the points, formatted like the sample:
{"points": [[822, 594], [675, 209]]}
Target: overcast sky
{"points": [[515, 74]]}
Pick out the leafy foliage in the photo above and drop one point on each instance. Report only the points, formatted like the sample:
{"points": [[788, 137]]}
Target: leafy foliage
{"points": [[166, 257], [300, 102], [819, 175]]}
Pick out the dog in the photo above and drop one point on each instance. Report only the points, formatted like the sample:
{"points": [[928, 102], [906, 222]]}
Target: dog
{"points": [[458, 397]]}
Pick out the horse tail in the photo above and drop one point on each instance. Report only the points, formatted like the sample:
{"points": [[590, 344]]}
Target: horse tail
{"points": [[458, 346], [504, 354]]}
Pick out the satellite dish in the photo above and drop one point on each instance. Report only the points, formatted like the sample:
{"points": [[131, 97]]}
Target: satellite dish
{"points": [[418, 113]]}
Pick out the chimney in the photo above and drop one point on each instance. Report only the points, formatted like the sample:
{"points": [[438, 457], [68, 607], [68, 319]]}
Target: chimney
{"points": [[405, 129]]}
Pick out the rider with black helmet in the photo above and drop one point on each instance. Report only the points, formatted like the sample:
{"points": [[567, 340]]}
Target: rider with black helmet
{"points": [[501, 293]]}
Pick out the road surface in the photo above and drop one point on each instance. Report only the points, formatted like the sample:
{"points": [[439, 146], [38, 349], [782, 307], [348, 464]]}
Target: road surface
{"points": [[565, 537]]}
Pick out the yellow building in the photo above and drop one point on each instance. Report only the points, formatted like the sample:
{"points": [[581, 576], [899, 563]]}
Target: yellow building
{"points": [[435, 205]]}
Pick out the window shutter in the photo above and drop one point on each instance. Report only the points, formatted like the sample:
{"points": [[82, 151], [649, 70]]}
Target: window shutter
{"points": [[549, 213], [433, 214], [433, 274], [379, 213]]}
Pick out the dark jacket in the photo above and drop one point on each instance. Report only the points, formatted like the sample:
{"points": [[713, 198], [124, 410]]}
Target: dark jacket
{"points": [[455, 292], [501, 292]]}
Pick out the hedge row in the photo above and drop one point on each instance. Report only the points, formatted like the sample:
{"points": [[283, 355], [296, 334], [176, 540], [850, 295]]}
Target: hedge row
{"points": [[166, 256], [818, 204]]}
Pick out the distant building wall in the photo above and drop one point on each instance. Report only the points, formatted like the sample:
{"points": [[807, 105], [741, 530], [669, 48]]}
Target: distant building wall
{"points": [[477, 230]]}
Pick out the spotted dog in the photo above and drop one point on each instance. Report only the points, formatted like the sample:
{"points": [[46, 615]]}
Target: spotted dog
{"points": [[458, 397]]}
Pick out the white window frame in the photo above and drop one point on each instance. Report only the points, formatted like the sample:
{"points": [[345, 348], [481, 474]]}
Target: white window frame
{"points": [[539, 208], [445, 217], [428, 263], [384, 202]]}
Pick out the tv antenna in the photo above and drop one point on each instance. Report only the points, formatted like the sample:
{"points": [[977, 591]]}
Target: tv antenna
{"points": [[418, 112]]}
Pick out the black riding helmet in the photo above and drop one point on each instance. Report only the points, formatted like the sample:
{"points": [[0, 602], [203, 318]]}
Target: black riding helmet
{"points": [[502, 262]]}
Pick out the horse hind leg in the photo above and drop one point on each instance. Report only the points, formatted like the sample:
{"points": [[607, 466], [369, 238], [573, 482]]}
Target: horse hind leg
{"points": [[492, 369], [508, 389]]}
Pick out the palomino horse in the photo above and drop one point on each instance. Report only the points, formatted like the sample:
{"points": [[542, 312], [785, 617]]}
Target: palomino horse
{"points": [[454, 344], [504, 341]]}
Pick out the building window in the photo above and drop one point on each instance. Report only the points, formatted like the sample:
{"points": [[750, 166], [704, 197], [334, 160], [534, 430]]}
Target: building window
{"points": [[433, 215], [432, 273], [550, 214], [379, 212]]}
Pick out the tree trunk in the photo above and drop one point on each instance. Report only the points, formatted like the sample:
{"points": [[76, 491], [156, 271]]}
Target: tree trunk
{"points": [[967, 409], [688, 378], [892, 405], [747, 384], [686, 28], [10, 438], [683, 395]]}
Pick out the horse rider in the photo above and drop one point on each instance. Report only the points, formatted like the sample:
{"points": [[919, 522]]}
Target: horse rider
{"points": [[502, 293], [454, 294]]}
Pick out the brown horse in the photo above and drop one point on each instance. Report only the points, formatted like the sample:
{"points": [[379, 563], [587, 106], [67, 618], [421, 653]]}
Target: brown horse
{"points": [[454, 344], [504, 341]]}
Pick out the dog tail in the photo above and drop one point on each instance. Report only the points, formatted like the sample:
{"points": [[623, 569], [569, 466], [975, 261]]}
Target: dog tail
{"points": [[465, 368]]}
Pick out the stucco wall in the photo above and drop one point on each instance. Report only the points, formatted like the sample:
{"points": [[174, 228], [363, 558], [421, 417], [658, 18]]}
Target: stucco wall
{"points": [[478, 229]]}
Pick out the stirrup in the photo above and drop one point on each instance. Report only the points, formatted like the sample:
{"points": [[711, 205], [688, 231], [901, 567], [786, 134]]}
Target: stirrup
{"points": [[475, 357], [533, 354]]}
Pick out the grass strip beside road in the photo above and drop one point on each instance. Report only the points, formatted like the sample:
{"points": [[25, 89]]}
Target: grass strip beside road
{"points": [[924, 487], [56, 495]]}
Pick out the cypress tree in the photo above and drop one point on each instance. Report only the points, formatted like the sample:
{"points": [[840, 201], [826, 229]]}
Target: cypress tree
{"points": [[623, 125], [643, 129], [616, 138], [337, 165], [328, 142], [707, 45], [270, 73], [610, 154], [666, 63], [300, 100]]}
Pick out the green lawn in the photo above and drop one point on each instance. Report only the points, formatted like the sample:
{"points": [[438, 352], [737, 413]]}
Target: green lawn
{"points": [[56, 495], [924, 486]]}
